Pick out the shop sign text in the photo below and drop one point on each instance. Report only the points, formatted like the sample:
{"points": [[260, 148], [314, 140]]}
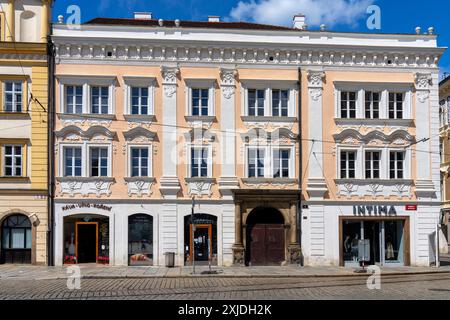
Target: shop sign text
{"points": [[84, 205], [374, 210]]}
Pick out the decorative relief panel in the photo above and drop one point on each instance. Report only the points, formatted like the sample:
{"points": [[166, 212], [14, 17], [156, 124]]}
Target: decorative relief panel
{"points": [[200, 187], [85, 186], [360, 188], [139, 186]]}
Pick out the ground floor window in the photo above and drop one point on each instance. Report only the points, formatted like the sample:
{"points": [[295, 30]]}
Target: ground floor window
{"points": [[203, 239], [16, 240], [140, 240], [86, 239], [386, 238]]}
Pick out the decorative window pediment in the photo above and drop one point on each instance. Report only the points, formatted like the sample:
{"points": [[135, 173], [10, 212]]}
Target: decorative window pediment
{"points": [[200, 135], [352, 136], [261, 135], [93, 133], [139, 133]]}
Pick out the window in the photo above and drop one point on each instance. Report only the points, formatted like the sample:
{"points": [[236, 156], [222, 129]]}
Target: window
{"points": [[348, 162], [280, 102], [16, 233], [256, 100], [13, 161], [373, 159], [199, 162], [72, 162], [100, 100], [256, 163], [396, 164], [281, 165], [200, 99], [372, 105], [13, 96], [139, 100], [348, 105], [74, 99], [99, 162], [396, 101], [139, 162]]}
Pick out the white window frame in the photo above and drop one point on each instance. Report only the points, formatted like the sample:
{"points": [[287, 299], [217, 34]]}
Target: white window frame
{"points": [[209, 84], [189, 147], [73, 99], [383, 88], [396, 104], [269, 150], [14, 96], [91, 95], [372, 104], [88, 159], [87, 82], [139, 82], [348, 103], [357, 167], [268, 86], [13, 167], [291, 160], [63, 162], [382, 168], [129, 168]]}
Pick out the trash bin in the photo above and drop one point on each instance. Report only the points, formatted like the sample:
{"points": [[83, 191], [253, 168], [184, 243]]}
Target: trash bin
{"points": [[170, 259]]}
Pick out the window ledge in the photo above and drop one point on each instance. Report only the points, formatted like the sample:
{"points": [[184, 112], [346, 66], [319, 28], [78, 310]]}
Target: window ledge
{"points": [[17, 115], [267, 118], [15, 180], [269, 180], [144, 179], [374, 122], [70, 116], [85, 179], [374, 181], [140, 117], [200, 179], [200, 118]]}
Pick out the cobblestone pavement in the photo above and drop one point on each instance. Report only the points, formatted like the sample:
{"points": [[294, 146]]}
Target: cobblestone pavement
{"points": [[425, 286]]}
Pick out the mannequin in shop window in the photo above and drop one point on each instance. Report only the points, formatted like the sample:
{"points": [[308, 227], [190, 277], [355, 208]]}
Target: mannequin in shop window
{"points": [[390, 254], [355, 248]]}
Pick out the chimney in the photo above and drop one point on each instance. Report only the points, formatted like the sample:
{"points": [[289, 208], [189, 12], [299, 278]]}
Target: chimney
{"points": [[143, 15], [213, 18], [299, 21]]}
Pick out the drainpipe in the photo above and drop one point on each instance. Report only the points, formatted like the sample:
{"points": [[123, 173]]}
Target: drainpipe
{"points": [[51, 154], [300, 167]]}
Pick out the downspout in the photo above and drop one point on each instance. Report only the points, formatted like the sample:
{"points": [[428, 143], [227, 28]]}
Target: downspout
{"points": [[300, 167], [51, 146]]}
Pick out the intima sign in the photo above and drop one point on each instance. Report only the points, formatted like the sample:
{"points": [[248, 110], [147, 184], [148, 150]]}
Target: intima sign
{"points": [[374, 210]]}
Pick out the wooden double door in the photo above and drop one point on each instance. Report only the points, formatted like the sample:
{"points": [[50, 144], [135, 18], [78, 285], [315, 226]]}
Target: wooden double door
{"points": [[265, 244]]}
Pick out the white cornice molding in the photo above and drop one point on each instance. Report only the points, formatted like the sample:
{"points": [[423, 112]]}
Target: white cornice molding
{"points": [[356, 57]]}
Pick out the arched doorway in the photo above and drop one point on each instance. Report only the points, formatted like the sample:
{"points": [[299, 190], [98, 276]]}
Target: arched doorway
{"points": [[265, 237], [140, 240], [16, 240], [203, 239]]}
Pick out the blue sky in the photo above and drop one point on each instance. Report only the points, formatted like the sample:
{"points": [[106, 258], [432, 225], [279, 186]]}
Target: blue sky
{"points": [[400, 16]]}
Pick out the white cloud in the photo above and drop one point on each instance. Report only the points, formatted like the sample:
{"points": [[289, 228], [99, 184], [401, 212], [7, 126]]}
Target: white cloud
{"points": [[281, 12]]}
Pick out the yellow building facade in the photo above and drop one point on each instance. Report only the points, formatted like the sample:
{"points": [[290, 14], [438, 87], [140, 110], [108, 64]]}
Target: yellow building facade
{"points": [[444, 98], [24, 201]]}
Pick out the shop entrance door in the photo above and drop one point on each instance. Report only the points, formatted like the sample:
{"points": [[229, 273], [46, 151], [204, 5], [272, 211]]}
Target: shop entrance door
{"points": [[386, 240], [372, 230], [86, 242], [201, 240]]}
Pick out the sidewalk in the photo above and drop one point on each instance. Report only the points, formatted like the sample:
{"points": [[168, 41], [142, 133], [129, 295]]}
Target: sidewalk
{"points": [[21, 272]]}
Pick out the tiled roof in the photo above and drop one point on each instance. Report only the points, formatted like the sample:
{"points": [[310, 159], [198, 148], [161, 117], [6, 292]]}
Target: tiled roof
{"points": [[187, 24]]}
